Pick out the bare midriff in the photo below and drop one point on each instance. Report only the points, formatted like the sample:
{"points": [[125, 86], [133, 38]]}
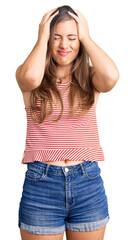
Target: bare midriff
{"points": [[65, 162]]}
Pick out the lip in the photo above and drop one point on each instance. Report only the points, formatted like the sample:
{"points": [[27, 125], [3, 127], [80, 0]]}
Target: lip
{"points": [[64, 53]]}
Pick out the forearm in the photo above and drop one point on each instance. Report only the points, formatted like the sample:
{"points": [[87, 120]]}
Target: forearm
{"points": [[103, 65], [34, 65]]}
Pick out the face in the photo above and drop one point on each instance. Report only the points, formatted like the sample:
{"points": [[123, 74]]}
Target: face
{"points": [[65, 42]]}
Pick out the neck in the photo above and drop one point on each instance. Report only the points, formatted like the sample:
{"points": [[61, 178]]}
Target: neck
{"points": [[64, 74]]}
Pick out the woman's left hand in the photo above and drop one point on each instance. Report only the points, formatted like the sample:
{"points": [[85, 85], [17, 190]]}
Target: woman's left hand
{"points": [[83, 29]]}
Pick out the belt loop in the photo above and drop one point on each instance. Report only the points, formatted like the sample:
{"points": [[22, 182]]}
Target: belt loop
{"points": [[47, 168], [83, 171]]}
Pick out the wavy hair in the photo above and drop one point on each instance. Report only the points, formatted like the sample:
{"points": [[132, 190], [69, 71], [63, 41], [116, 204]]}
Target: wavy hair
{"points": [[81, 83]]}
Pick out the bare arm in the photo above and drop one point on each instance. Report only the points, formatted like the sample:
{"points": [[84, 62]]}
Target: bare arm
{"points": [[105, 71], [30, 74]]}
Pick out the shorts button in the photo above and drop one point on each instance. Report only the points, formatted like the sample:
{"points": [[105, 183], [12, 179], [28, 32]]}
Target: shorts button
{"points": [[66, 169]]}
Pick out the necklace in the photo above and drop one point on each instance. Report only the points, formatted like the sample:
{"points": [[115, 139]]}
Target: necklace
{"points": [[60, 79]]}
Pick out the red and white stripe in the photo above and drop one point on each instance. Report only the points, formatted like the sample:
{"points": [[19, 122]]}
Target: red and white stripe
{"points": [[73, 138]]}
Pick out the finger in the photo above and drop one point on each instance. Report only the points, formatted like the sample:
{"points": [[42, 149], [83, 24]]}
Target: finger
{"points": [[46, 16], [49, 12], [73, 15], [52, 16], [53, 10], [78, 13]]}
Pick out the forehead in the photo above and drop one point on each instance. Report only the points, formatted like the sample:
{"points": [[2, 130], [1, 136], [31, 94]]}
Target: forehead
{"points": [[66, 27]]}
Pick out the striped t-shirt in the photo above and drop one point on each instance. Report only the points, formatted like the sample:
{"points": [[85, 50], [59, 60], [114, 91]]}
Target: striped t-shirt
{"points": [[72, 138]]}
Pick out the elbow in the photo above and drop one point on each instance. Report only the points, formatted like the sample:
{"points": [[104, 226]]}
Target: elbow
{"points": [[21, 75], [106, 83], [115, 76], [31, 77], [111, 82], [34, 77]]}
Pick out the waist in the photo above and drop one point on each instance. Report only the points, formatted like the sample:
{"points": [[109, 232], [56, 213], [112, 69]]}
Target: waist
{"points": [[66, 162]]}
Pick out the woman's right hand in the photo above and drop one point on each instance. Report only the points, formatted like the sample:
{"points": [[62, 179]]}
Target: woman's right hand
{"points": [[44, 26]]}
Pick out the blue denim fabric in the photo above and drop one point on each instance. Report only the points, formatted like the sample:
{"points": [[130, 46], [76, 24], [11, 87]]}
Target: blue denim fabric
{"points": [[55, 198]]}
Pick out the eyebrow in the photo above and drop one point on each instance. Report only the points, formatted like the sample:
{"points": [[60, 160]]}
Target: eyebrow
{"points": [[67, 35]]}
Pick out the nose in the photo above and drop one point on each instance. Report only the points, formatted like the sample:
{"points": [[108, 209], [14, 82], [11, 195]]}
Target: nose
{"points": [[64, 43]]}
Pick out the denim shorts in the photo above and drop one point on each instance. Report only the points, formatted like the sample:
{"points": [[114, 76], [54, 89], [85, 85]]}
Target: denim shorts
{"points": [[57, 197]]}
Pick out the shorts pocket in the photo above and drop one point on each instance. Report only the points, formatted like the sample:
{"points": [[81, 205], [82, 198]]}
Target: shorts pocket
{"points": [[34, 174], [93, 171]]}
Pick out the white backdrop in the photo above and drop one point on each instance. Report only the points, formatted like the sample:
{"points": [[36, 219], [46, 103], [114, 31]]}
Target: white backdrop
{"points": [[111, 25]]}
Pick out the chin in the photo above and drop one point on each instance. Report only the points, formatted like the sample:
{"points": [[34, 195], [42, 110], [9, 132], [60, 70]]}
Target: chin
{"points": [[64, 62]]}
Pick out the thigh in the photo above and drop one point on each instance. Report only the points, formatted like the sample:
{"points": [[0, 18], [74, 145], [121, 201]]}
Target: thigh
{"points": [[89, 235], [42, 206], [89, 211], [30, 236]]}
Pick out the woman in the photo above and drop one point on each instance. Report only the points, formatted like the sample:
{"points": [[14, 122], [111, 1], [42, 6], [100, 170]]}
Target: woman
{"points": [[63, 188]]}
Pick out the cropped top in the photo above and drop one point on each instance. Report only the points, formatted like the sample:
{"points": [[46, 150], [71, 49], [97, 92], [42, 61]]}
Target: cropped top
{"points": [[72, 138]]}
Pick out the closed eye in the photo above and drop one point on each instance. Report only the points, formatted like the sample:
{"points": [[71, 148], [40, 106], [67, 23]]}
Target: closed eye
{"points": [[69, 39]]}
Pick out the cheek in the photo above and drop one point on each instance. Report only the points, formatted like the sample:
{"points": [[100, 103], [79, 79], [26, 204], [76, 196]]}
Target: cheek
{"points": [[76, 50], [76, 46], [53, 51], [54, 46]]}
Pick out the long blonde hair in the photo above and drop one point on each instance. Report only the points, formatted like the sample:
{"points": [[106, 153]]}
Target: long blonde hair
{"points": [[81, 84]]}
